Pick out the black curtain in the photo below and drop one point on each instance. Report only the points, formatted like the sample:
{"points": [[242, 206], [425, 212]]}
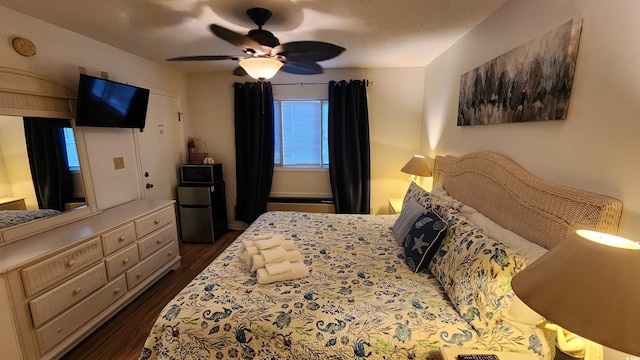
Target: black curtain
{"points": [[253, 106], [349, 156], [48, 161]]}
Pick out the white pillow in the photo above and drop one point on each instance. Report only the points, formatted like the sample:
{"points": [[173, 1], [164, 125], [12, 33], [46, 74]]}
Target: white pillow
{"points": [[411, 210], [439, 190], [521, 245]]}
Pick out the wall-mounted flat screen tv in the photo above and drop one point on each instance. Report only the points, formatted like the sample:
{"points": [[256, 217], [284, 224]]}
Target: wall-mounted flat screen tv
{"points": [[106, 103]]}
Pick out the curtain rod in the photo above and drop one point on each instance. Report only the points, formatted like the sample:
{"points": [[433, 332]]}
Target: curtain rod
{"points": [[367, 83]]}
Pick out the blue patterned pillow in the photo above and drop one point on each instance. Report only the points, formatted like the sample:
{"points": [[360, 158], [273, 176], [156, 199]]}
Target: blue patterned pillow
{"points": [[476, 273], [430, 201], [423, 240]]}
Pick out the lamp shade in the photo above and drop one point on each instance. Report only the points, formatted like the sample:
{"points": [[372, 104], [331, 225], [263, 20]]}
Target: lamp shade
{"points": [[261, 68], [588, 288], [417, 165]]}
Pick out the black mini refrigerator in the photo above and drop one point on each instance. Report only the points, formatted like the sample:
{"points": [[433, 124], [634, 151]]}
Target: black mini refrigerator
{"points": [[203, 212]]}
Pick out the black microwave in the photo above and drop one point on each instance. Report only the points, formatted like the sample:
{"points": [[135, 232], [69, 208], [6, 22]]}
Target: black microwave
{"points": [[205, 174]]}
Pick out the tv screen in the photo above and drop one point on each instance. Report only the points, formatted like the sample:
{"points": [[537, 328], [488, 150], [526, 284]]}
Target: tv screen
{"points": [[107, 103]]}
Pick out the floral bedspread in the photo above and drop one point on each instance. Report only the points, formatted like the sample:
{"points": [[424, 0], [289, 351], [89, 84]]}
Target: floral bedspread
{"points": [[360, 301], [15, 217]]}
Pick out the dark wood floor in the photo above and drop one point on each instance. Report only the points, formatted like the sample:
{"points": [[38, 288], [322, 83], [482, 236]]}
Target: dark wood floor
{"points": [[123, 336]]}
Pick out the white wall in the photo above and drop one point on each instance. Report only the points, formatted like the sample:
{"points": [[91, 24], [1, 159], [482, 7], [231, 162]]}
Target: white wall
{"points": [[16, 162], [5, 182], [395, 112], [59, 53], [596, 148]]}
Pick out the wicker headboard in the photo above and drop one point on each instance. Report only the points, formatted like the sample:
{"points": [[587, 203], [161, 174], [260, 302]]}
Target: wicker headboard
{"points": [[535, 209]]}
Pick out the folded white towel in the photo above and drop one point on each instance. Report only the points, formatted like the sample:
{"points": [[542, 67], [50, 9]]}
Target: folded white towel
{"points": [[244, 245], [289, 245], [264, 242], [257, 261], [262, 236], [252, 250], [268, 243], [294, 255], [248, 254], [273, 254], [299, 270], [278, 268]]}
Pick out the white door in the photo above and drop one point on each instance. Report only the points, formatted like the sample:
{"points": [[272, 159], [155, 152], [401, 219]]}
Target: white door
{"points": [[160, 147]]}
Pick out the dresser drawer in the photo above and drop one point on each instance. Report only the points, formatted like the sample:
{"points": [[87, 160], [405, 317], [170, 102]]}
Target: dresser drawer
{"points": [[39, 276], [138, 273], [118, 238], [157, 240], [121, 261], [62, 326], [69, 293], [155, 221]]}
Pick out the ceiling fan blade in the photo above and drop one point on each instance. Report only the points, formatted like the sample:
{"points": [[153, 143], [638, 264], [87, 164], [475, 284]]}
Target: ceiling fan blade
{"points": [[244, 42], [239, 71], [301, 68], [204, 58], [308, 51]]}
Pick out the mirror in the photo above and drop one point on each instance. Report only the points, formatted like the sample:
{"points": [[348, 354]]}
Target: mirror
{"points": [[57, 171], [26, 99]]}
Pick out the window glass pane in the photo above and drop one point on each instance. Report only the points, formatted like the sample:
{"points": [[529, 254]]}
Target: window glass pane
{"points": [[301, 133], [325, 133], [72, 152], [277, 131]]}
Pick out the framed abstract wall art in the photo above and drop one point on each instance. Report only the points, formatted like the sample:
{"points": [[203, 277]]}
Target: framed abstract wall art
{"points": [[529, 83]]}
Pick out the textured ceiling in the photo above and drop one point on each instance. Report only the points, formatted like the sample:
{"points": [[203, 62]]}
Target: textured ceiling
{"points": [[376, 33]]}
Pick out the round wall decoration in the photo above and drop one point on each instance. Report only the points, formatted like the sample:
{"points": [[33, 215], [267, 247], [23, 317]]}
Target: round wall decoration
{"points": [[23, 46]]}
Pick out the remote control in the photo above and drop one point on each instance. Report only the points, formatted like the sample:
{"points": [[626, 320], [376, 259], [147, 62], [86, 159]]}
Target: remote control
{"points": [[477, 357]]}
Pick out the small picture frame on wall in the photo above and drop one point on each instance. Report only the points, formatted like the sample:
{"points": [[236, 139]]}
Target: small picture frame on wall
{"points": [[529, 83]]}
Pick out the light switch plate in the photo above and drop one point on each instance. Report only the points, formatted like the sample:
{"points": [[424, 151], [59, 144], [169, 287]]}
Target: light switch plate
{"points": [[118, 163]]}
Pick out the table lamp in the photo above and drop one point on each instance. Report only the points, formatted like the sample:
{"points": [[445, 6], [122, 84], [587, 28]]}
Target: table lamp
{"points": [[590, 286], [416, 166]]}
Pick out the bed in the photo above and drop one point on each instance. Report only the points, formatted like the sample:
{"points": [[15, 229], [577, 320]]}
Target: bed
{"points": [[362, 300], [14, 217]]}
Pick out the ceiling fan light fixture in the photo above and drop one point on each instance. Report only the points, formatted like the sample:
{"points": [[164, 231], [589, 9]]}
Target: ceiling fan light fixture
{"points": [[261, 68]]}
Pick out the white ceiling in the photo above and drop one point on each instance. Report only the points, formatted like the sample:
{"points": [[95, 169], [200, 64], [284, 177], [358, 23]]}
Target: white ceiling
{"points": [[376, 33]]}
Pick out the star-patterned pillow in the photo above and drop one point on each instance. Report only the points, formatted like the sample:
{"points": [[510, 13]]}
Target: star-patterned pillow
{"points": [[423, 240]]}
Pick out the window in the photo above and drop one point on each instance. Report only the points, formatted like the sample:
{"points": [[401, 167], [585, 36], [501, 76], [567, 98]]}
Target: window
{"points": [[72, 152], [301, 128]]}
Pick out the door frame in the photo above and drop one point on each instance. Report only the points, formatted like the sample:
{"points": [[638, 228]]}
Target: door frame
{"points": [[141, 179]]}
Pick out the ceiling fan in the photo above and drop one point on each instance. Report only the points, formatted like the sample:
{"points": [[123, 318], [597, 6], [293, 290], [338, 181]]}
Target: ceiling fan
{"points": [[264, 55]]}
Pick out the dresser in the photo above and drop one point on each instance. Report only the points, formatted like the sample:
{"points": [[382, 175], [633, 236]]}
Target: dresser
{"points": [[59, 286], [12, 204]]}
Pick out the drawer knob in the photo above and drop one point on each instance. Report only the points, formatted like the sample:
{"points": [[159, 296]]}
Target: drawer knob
{"points": [[125, 261], [70, 263], [170, 253], [59, 330], [156, 221], [121, 238], [159, 240], [77, 290], [138, 274], [116, 291]]}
